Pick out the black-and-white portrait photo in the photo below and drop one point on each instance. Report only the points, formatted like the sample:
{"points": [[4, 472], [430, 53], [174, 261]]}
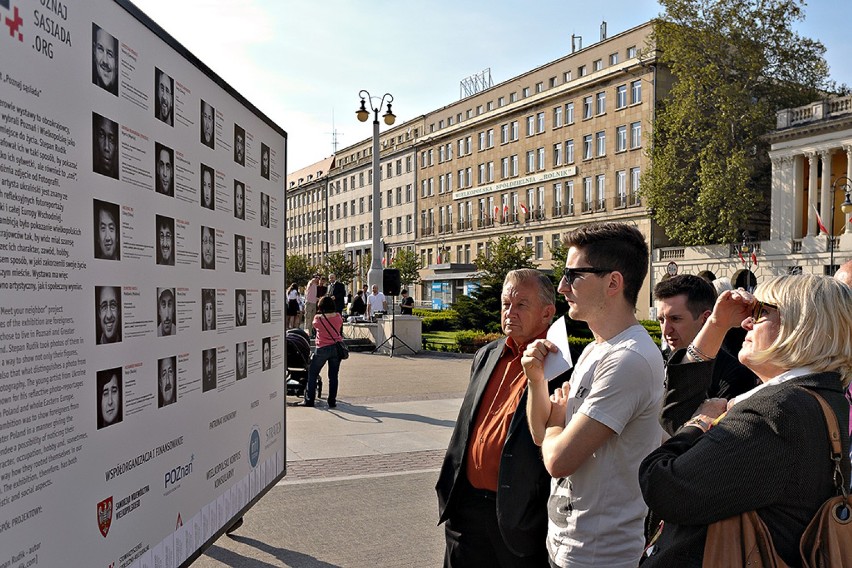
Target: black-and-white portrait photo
{"points": [[165, 240], [240, 365], [267, 353], [110, 391], [265, 307], [107, 314], [208, 248], [239, 200], [164, 97], [208, 309], [164, 169], [264, 210], [208, 187], [239, 253], [239, 145], [264, 161], [104, 146], [166, 310], [166, 381], [208, 369], [264, 257], [208, 124], [104, 60], [240, 307], [107, 230]]}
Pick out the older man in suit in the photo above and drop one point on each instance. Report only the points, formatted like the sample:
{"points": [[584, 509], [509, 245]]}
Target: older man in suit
{"points": [[493, 488]]}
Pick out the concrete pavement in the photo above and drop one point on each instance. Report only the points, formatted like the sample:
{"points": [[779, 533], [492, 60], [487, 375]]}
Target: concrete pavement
{"points": [[359, 489]]}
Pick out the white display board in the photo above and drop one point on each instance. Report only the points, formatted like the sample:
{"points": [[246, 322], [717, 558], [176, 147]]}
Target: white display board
{"points": [[141, 292]]}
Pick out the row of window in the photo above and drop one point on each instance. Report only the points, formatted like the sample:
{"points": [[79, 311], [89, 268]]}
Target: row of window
{"points": [[553, 82]]}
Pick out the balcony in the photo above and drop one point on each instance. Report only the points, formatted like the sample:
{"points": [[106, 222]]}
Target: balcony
{"points": [[620, 201], [586, 207], [600, 204], [427, 231], [633, 199]]}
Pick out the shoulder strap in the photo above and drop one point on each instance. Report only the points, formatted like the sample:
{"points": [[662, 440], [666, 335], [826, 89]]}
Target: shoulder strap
{"points": [[328, 330], [833, 429]]}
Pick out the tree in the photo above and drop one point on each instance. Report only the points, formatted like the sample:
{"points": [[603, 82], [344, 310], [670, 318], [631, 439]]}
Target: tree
{"points": [[338, 263], [734, 63], [482, 310], [409, 264], [298, 269]]}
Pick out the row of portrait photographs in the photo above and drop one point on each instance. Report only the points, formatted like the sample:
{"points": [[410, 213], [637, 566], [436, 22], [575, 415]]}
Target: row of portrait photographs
{"points": [[108, 308], [105, 162], [107, 240], [105, 63], [110, 383]]}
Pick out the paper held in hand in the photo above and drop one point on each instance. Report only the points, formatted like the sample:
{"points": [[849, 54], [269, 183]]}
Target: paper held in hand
{"points": [[557, 363]]}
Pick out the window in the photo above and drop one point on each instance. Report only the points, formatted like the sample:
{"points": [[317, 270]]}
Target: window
{"points": [[539, 247], [361, 205], [514, 165], [513, 97], [440, 124], [569, 113], [569, 194], [597, 65], [587, 107], [634, 180], [449, 178], [635, 134], [636, 92], [526, 92], [504, 168], [480, 174], [450, 121], [540, 158], [504, 134], [557, 117], [423, 188], [409, 223], [390, 197], [566, 76], [514, 127], [489, 106], [398, 225], [600, 103], [557, 154], [539, 122], [431, 186], [449, 150], [569, 151], [539, 87], [399, 196], [557, 198], [431, 157], [600, 143], [490, 171], [581, 71], [631, 52], [440, 184], [467, 145], [408, 192], [478, 110], [620, 138], [530, 125], [587, 147], [587, 194], [552, 82], [501, 101], [389, 229], [613, 59], [461, 147], [441, 155], [398, 168], [530, 161], [481, 141], [600, 188], [621, 96], [620, 188], [489, 138]]}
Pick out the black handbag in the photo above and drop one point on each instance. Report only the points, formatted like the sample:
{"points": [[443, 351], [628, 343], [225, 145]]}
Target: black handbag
{"points": [[339, 345]]}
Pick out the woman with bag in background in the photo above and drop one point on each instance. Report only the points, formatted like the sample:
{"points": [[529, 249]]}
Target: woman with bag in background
{"points": [[326, 323], [770, 452]]}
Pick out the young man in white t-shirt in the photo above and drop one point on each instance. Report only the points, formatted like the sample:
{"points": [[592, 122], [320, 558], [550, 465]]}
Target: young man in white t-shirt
{"points": [[596, 430]]}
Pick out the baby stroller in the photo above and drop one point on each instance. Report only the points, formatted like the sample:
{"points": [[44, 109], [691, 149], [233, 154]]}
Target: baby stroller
{"points": [[298, 363]]}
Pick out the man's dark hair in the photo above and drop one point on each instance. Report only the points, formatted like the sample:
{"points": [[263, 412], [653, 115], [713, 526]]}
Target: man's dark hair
{"points": [[617, 247], [700, 294]]}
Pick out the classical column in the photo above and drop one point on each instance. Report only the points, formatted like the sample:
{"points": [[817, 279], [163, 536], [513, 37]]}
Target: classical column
{"points": [[812, 193], [848, 217], [825, 191], [798, 169]]}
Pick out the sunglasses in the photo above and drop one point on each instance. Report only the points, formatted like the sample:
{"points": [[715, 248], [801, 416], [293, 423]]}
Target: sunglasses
{"points": [[571, 274], [759, 309]]}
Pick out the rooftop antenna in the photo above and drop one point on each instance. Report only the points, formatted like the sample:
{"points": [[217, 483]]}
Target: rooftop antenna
{"points": [[573, 44], [603, 30], [334, 134]]}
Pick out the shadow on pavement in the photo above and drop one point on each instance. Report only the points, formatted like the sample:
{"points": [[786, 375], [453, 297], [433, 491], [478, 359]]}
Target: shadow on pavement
{"points": [[289, 558]]}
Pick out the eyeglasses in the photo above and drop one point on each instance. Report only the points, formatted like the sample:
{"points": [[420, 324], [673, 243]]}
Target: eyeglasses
{"points": [[571, 274], [760, 309]]}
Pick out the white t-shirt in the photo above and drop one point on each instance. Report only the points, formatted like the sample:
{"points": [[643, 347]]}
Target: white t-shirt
{"points": [[376, 302], [596, 515]]}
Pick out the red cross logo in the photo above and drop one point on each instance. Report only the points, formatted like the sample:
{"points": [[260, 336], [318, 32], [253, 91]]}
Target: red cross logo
{"points": [[14, 25]]}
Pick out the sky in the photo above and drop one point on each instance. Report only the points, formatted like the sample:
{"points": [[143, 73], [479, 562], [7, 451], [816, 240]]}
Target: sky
{"points": [[303, 62]]}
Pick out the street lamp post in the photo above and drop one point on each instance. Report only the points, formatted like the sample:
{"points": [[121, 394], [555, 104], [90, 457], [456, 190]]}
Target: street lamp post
{"points": [[846, 207], [374, 276]]}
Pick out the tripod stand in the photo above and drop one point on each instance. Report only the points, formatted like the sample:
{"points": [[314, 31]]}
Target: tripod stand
{"points": [[393, 335]]}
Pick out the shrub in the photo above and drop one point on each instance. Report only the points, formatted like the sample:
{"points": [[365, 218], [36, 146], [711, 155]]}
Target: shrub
{"points": [[439, 321]]}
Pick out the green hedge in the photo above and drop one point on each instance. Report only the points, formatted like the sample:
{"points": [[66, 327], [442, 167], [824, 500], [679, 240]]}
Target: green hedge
{"points": [[437, 321]]}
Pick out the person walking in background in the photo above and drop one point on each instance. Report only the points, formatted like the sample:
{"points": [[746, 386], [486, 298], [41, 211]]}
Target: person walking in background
{"points": [[769, 453], [326, 323], [493, 487], [311, 303], [293, 306]]}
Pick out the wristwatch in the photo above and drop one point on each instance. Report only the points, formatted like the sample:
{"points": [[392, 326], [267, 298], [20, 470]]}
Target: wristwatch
{"points": [[699, 422]]}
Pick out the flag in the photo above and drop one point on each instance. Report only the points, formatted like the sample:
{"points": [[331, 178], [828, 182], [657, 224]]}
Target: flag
{"points": [[754, 259], [496, 211], [740, 254], [505, 211], [384, 261], [525, 210], [819, 221]]}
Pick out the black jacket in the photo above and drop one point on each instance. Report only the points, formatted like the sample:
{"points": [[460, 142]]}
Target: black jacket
{"points": [[338, 290], [523, 484], [770, 454]]}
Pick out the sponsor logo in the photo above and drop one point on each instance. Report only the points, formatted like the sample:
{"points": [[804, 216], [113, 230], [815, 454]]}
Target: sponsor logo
{"points": [[254, 447], [176, 474], [273, 431], [105, 515], [14, 23]]}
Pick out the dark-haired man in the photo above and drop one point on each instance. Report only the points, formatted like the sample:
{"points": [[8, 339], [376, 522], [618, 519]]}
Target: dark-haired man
{"points": [[683, 304], [596, 430]]}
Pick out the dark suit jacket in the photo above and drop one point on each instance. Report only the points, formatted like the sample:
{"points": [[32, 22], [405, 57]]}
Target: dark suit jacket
{"points": [[770, 453], [338, 290], [685, 390], [524, 484]]}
